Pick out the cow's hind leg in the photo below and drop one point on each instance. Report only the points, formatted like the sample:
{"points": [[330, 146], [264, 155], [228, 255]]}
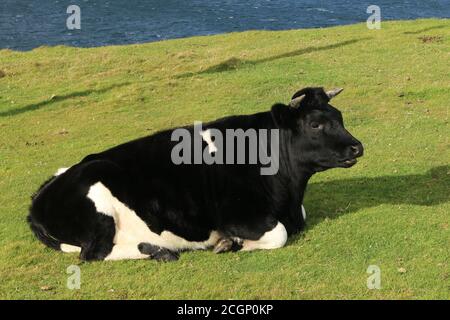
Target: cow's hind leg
{"points": [[100, 241], [101, 246], [104, 245], [126, 251], [158, 253]]}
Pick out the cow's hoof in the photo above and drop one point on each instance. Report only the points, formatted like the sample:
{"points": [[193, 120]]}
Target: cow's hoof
{"points": [[228, 244], [238, 243], [223, 245], [158, 253]]}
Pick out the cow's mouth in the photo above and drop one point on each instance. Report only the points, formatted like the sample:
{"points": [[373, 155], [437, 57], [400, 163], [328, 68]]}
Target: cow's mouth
{"points": [[347, 163]]}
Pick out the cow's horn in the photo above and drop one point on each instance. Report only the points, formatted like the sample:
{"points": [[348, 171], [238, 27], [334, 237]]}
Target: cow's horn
{"points": [[295, 103], [333, 93]]}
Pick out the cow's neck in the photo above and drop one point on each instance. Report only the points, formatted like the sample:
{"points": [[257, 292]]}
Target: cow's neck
{"points": [[290, 182], [289, 187], [296, 182], [290, 166]]}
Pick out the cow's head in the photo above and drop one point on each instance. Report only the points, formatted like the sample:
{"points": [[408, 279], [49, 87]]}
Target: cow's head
{"points": [[315, 131]]}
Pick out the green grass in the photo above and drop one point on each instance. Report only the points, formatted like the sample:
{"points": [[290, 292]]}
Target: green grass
{"points": [[59, 104]]}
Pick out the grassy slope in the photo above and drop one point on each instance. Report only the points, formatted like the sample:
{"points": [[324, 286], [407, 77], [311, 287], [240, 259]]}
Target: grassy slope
{"points": [[392, 209]]}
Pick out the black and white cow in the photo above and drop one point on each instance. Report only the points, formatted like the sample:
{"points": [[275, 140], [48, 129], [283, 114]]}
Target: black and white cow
{"points": [[133, 201]]}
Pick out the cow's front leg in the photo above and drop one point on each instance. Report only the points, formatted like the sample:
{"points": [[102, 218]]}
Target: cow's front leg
{"points": [[228, 244]]}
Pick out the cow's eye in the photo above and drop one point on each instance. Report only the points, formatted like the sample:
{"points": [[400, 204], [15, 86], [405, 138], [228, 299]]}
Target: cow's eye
{"points": [[316, 125]]}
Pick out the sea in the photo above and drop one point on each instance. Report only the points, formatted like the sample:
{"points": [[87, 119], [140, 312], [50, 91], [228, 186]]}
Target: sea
{"points": [[27, 24]]}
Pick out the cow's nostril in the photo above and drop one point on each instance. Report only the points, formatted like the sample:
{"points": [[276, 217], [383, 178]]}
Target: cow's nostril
{"points": [[355, 149]]}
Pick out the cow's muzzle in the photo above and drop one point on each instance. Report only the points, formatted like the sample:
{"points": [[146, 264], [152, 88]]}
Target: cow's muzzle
{"points": [[354, 151]]}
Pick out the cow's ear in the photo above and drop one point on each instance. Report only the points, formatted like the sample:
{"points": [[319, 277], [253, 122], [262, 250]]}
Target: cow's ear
{"points": [[285, 117]]}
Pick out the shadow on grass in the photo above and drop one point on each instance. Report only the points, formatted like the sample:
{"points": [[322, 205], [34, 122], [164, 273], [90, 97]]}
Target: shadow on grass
{"points": [[235, 63], [425, 29], [331, 199], [56, 98]]}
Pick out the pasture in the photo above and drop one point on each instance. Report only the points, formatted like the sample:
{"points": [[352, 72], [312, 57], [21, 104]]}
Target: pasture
{"points": [[392, 210]]}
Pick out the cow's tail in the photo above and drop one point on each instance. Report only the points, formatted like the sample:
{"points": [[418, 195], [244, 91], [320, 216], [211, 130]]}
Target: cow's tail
{"points": [[42, 235], [37, 228]]}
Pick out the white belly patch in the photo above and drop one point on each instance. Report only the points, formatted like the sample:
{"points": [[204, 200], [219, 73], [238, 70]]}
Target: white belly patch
{"points": [[273, 239], [132, 230]]}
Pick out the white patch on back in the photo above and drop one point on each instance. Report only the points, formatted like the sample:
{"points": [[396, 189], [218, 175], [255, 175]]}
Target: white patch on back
{"points": [[132, 230], [68, 248], [273, 239], [60, 171], [303, 212], [102, 198], [206, 135]]}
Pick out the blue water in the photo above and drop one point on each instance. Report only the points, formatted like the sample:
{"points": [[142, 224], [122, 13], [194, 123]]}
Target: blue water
{"points": [[26, 24]]}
